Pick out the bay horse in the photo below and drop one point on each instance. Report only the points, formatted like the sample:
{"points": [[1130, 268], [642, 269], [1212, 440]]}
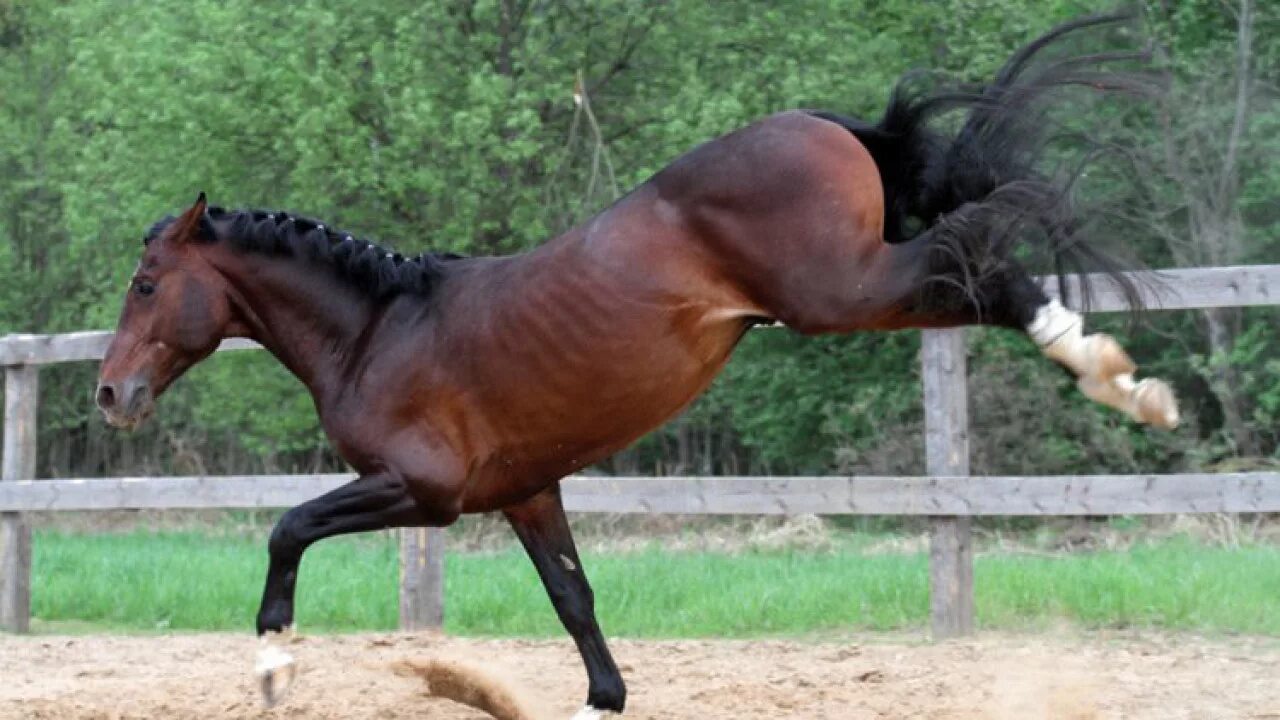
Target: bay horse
{"points": [[468, 385]]}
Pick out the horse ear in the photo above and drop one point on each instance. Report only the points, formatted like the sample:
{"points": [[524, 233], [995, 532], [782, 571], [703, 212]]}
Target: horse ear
{"points": [[194, 224]]}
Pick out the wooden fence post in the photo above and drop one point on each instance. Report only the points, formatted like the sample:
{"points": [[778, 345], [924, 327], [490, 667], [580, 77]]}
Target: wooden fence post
{"points": [[946, 414], [21, 398], [422, 578]]}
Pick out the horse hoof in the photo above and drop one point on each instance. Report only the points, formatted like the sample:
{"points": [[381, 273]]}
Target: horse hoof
{"points": [[589, 713], [1156, 403], [275, 670]]}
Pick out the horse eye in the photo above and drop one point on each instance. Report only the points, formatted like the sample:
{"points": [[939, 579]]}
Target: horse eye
{"points": [[144, 287]]}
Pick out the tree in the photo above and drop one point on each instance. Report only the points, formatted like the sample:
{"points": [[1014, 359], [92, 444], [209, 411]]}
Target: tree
{"points": [[1196, 165]]}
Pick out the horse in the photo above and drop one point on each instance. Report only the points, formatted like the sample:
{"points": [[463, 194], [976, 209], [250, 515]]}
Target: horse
{"points": [[459, 385]]}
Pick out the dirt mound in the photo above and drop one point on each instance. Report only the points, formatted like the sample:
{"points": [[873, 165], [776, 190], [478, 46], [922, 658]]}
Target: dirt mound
{"points": [[1054, 676]]}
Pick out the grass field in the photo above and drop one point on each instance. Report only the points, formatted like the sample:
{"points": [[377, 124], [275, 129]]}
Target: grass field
{"points": [[190, 580]]}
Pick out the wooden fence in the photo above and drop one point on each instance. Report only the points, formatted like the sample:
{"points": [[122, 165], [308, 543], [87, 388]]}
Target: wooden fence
{"points": [[948, 495]]}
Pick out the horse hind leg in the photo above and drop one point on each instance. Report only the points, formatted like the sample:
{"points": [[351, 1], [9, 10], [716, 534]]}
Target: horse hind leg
{"points": [[1104, 370], [1105, 373], [902, 289]]}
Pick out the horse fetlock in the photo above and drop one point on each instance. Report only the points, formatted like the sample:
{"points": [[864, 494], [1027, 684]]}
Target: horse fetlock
{"points": [[1105, 358], [275, 616], [1060, 334], [274, 666]]}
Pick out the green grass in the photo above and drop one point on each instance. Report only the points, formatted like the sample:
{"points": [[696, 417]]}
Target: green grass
{"points": [[194, 581]]}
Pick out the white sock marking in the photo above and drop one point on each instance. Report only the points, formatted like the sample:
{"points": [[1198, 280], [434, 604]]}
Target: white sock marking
{"points": [[274, 667], [270, 658], [1059, 332]]}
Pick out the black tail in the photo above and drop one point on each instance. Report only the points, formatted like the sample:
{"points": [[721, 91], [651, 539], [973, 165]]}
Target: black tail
{"points": [[981, 192]]}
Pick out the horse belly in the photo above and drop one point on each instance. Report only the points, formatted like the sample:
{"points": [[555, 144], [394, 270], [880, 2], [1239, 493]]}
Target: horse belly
{"points": [[590, 408]]}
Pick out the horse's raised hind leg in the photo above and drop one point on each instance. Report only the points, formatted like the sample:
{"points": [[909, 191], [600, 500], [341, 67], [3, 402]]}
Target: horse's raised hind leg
{"points": [[368, 503], [909, 296], [540, 524], [1104, 370]]}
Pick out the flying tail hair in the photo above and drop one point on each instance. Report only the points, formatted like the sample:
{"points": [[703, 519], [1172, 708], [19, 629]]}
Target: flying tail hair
{"points": [[980, 191]]}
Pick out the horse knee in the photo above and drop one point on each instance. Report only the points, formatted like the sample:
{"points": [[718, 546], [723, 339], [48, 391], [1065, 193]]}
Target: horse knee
{"points": [[289, 538]]}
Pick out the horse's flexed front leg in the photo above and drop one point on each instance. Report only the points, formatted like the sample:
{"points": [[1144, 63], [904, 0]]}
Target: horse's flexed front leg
{"points": [[371, 502]]}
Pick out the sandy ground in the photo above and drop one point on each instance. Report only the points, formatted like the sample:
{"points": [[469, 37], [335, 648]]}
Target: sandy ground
{"points": [[997, 677]]}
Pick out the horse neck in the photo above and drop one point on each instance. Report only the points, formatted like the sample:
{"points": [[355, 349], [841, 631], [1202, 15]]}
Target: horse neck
{"points": [[308, 318]]}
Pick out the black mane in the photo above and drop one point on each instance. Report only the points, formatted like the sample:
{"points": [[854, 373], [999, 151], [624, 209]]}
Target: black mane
{"points": [[381, 272]]}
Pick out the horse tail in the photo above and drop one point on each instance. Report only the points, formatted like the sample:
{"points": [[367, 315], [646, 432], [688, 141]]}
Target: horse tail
{"points": [[980, 191]]}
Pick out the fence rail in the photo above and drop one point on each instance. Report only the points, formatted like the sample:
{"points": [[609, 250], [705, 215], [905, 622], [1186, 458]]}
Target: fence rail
{"points": [[1175, 289], [948, 495], [1245, 492]]}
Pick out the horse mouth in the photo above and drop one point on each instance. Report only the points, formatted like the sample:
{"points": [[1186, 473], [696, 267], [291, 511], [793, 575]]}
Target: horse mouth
{"points": [[128, 421]]}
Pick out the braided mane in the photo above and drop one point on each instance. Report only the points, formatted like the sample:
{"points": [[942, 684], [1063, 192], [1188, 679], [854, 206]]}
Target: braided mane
{"points": [[381, 272]]}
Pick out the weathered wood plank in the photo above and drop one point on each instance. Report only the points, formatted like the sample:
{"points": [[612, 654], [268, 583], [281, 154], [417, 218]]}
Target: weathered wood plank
{"points": [[950, 577], [21, 402], [944, 376], [946, 421], [833, 495], [1186, 288], [69, 347], [1183, 289], [235, 491], [422, 552]]}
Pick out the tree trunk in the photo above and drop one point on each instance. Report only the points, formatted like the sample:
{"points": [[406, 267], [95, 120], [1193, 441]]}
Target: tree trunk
{"points": [[1224, 380]]}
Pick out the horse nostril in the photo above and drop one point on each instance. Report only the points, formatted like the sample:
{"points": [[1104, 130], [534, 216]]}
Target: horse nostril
{"points": [[106, 397], [136, 396]]}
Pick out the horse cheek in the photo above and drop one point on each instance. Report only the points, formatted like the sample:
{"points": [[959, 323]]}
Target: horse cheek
{"points": [[197, 322]]}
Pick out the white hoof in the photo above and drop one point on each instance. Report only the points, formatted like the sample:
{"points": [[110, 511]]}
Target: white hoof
{"points": [[274, 667], [590, 713], [1156, 404]]}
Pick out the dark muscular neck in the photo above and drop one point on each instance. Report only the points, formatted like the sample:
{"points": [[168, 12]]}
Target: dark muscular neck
{"points": [[304, 315]]}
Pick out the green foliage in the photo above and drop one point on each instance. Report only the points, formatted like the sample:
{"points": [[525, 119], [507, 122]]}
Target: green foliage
{"points": [[451, 126], [1257, 353], [288, 427], [808, 404]]}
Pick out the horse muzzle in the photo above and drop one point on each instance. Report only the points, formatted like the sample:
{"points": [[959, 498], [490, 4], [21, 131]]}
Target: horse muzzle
{"points": [[125, 404]]}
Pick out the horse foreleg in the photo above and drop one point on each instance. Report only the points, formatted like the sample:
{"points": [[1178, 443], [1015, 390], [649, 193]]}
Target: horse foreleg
{"points": [[540, 524], [368, 503]]}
